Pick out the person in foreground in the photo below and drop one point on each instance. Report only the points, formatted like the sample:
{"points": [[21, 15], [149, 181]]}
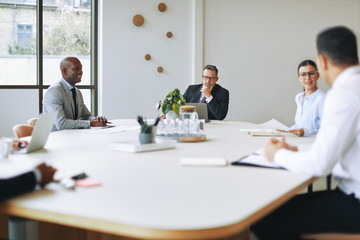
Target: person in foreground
{"points": [[336, 150], [216, 97], [65, 98], [25, 182], [309, 102]]}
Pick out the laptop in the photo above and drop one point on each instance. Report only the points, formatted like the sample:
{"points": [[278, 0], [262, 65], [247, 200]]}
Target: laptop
{"points": [[40, 133], [201, 109]]}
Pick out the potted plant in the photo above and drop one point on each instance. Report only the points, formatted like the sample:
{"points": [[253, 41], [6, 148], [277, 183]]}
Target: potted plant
{"points": [[172, 102]]}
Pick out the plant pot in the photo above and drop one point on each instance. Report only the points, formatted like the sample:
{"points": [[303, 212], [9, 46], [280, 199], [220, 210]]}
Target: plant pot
{"points": [[171, 115], [146, 138]]}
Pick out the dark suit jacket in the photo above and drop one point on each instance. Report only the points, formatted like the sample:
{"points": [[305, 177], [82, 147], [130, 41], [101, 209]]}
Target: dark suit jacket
{"points": [[14, 186], [217, 107]]}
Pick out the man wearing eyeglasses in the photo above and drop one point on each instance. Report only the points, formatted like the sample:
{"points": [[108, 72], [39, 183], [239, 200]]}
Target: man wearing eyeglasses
{"points": [[216, 97]]}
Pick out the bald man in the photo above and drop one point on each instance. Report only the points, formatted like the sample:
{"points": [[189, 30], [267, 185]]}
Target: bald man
{"points": [[65, 98]]}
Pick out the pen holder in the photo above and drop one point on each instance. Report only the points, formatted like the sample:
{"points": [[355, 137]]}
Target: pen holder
{"points": [[146, 138]]}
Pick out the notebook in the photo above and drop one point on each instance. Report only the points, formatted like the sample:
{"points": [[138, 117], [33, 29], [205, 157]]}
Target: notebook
{"points": [[40, 133], [201, 109]]}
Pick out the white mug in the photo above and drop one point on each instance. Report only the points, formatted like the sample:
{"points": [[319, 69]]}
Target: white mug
{"points": [[5, 148]]}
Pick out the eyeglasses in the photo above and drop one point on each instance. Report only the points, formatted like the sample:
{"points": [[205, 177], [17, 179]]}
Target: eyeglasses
{"points": [[206, 78], [310, 74]]}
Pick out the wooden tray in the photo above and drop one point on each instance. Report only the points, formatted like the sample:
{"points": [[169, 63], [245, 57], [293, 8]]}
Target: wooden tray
{"points": [[184, 137]]}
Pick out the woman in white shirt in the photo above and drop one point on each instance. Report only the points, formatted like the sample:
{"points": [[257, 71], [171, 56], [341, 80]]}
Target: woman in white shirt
{"points": [[309, 102]]}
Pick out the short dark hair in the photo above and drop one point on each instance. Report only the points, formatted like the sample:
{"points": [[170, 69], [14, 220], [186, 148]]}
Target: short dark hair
{"points": [[211, 67], [339, 45], [305, 63]]}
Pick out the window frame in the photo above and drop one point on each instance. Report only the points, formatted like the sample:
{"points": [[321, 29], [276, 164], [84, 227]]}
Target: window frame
{"points": [[39, 58]]}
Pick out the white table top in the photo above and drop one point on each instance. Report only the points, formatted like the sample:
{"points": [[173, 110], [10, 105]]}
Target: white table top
{"points": [[149, 194]]}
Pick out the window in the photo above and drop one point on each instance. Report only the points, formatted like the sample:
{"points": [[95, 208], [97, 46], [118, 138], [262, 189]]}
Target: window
{"points": [[81, 3], [24, 34], [67, 30]]}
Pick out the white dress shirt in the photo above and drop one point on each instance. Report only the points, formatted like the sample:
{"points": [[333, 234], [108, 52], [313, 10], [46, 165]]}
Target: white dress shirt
{"points": [[336, 148], [308, 114], [206, 99]]}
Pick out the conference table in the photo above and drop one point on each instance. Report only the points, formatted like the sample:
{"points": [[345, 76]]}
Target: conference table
{"points": [[149, 195]]}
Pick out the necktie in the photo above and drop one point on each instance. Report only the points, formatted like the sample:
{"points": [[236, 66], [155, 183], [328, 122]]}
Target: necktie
{"points": [[75, 105], [203, 100]]}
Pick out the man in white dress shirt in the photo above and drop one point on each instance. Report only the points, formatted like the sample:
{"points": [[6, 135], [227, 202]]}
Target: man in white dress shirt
{"points": [[336, 150]]}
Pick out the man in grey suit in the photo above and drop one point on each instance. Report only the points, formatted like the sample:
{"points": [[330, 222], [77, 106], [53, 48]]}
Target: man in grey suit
{"points": [[65, 98]]}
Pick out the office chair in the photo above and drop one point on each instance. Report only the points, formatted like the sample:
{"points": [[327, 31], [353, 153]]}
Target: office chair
{"points": [[32, 121], [22, 130], [328, 184], [330, 236]]}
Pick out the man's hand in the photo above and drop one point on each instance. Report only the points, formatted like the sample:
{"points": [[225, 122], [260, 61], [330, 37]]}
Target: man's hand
{"points": [[47, 174], [206, 91], [98, 122], [17, 144], [274, 145]]}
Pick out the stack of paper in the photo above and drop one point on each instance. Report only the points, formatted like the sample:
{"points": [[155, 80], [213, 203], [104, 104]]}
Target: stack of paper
{"points": [[135, 146]]}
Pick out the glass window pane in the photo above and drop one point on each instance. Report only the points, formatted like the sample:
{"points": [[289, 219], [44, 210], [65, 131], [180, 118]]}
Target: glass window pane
{"points": [[86, 93], [17, 48], [66, 33]]}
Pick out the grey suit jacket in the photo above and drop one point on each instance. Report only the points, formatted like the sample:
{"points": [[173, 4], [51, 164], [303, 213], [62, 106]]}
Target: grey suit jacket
{"points": [[59, 98]]}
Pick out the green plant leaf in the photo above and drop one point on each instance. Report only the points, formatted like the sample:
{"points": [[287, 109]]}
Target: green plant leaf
{"points": [[176, 108], [166, 108], [182, 98], [158, 106]]}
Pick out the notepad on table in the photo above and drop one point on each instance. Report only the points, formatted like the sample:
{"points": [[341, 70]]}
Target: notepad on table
{"points": [[203, 161], [265, 132], [135, 146]]}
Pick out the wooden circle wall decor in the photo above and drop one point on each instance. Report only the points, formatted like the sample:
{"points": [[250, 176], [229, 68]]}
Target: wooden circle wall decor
{"points": [[160, 69], [138, 20], [147, 57], [162, 7], [169, 34]]}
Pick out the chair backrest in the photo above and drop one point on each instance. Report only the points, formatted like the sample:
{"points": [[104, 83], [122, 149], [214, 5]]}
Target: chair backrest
{"points": [[32, 121], [22, 130]]}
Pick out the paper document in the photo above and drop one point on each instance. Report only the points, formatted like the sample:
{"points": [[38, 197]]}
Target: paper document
{"points": [[266, 129], [275, 124], [119, 129], [265, 132]]}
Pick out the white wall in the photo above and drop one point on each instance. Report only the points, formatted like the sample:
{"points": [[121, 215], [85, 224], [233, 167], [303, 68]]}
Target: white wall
{"points": [[130, 84], [256, 44], [17, 107]]}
